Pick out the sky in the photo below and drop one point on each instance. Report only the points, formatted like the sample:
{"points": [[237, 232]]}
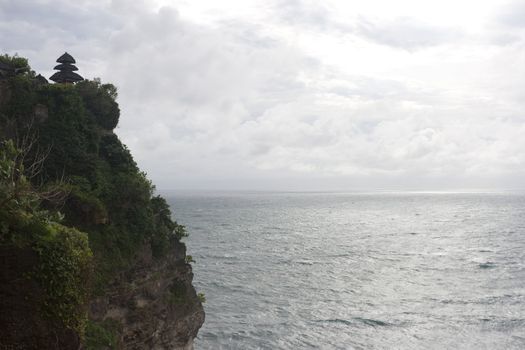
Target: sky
{"points": [[299, 94]]}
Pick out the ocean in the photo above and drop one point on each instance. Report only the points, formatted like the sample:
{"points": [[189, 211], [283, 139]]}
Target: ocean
{"points": [[357, 270]]}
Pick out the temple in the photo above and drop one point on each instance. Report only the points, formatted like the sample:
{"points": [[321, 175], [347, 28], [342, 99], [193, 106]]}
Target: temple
{"points": [[66, 70]]}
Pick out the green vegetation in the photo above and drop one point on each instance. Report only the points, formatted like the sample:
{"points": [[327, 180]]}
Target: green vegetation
{"points": [[73, 190], [177, 292], [64, 269], [64, 258], [201, 297], [15, 61], [100, 102], [102, 335]]}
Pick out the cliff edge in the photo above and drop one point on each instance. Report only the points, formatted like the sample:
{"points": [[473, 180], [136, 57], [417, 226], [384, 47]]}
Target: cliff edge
{"points": [[90, 257]]}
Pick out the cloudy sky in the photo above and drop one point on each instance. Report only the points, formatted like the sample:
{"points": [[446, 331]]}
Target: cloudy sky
{"points": [[300, 94]]}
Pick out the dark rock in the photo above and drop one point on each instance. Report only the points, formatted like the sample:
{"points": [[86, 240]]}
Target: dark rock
{"points": [[142, 302]]}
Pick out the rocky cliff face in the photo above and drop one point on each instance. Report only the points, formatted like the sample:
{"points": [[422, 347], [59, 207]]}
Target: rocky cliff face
{"points": [[154, 303]]}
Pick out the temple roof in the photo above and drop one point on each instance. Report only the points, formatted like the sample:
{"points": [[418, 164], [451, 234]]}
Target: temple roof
{"points": [[40, 79], [66, 66], [66, 70], [66, 77], [66, 58]]}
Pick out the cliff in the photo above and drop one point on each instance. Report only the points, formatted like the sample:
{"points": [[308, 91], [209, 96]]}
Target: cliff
{"points": [[154, 303], [90, 257]]}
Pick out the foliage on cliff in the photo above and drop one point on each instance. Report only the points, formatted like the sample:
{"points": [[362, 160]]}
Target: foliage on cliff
{"points": [[106, 195], [63, 266]]}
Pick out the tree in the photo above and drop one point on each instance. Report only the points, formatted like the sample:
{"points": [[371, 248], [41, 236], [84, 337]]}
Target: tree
{"points": [[99, 100]]}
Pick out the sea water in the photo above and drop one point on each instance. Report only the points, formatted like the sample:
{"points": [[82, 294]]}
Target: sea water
{"points": [[357, 271]]}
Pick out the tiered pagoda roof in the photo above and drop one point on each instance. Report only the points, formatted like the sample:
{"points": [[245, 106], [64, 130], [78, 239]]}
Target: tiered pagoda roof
{"points": [[66, 70], [41, 79]]}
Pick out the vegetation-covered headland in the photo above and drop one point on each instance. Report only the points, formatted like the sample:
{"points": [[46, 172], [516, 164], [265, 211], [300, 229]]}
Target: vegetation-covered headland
{"points": [[90, 256]]}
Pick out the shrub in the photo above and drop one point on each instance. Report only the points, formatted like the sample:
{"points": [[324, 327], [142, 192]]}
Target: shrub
{"points": [[64, 258], [99, 100], [202, 297], [63, 272]]}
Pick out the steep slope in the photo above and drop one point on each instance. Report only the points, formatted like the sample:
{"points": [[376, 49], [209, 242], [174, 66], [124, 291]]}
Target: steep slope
{"points": [[83, 181]]}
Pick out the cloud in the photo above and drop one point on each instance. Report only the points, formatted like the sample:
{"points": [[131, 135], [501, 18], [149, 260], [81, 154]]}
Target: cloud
{"points": [[66, 20], [511, 14], [507, 24], [406, 33], [234, 103], [309, 14], [403, 32]]}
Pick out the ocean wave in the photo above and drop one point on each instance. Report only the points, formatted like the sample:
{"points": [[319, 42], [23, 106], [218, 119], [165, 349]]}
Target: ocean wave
{"points": [[357, 320]]}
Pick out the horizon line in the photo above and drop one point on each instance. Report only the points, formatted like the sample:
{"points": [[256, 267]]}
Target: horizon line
{"points": [[350, 191]]}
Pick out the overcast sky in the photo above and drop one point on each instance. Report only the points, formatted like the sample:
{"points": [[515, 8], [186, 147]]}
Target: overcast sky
{"points": [[300, 94]]}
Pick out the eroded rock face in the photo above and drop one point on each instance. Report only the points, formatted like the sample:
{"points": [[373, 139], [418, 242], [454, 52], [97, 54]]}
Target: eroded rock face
{"points": [[154, 302], [40, 112]]}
